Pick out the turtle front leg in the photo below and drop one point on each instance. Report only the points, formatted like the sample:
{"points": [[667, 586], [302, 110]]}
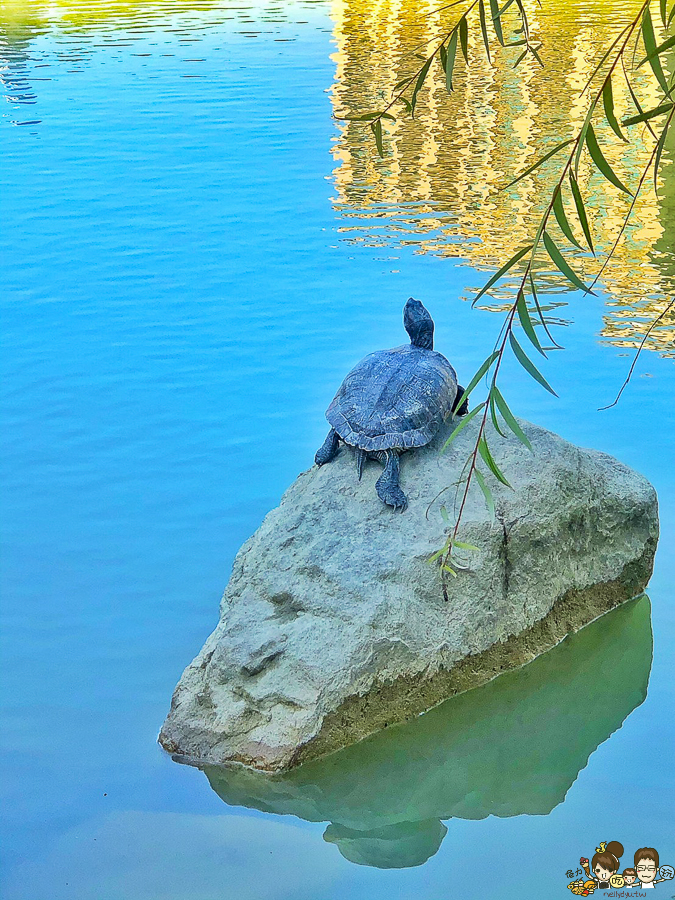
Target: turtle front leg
{"points": [[387, 485], [328, 449]]}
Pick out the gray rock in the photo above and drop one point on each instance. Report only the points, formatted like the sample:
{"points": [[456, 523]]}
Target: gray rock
{"points": [[334, 625]]}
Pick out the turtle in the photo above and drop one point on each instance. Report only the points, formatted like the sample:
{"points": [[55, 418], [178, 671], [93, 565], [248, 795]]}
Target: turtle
{"points": [[392, 401]]}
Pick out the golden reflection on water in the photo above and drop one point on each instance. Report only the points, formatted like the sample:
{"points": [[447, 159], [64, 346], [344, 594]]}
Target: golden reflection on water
{"points": [[439, 187]]}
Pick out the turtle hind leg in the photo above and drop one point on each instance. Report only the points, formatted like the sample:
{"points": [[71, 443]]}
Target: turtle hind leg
{"points": [[360, 460], [387, 485], [328, 449]]}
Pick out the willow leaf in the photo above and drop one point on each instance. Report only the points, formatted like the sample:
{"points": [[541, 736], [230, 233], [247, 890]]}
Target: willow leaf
{"points": [[518, 62], [666, 45], [581, 211], [535, 52], [561, 219], [483, 28], [450, 61], [671, 14], [528, 365], [526, 321], [376, 128], [608, 104], [563, 265], [601, 162], [539, 162], [439, 553], [510, 419], [493, 415], [496, 21], [463, 546], [487, 493], [659, 151], [540, 312], [420, 81], [465, 421], [662, 8], [464, 38], [504, 8], [650, 46], [650, 114], [504, 269], [488, 459]]}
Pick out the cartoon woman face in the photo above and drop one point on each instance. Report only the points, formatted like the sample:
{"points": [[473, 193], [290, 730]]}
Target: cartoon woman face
{"points": [[601, 873]]}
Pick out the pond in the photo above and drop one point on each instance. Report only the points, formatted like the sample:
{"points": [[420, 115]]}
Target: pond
{"points": [[194, 252]]}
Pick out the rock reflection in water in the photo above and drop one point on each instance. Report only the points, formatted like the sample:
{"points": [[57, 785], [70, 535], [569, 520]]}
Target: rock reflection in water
{"points": [[511, 747]]}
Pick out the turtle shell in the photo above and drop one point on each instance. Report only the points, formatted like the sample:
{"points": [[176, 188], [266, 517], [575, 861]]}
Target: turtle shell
{"points": [[394, 399]]}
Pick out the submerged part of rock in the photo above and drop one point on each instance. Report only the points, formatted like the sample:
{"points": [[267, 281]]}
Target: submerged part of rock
{"points": [[385, 797], [334, 626]]}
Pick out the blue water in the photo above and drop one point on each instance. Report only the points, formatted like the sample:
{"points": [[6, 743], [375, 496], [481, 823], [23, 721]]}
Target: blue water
{"points": [[178, 309]]}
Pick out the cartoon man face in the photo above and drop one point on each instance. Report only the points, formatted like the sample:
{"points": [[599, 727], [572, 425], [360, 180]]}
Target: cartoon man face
{"points": [[646, 870]]}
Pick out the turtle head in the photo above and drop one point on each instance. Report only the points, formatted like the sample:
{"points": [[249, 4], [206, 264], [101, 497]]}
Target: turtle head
{"points": [[419, 324]]}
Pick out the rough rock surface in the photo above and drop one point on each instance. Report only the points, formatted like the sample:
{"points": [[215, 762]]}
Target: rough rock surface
{"points": [[333, 624]]}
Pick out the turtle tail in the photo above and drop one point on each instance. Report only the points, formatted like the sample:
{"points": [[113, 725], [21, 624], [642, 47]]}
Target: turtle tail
{"points": [[360, 460]]}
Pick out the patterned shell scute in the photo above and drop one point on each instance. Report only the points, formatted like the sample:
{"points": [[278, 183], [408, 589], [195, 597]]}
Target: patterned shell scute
{"points": [[394, 399]]}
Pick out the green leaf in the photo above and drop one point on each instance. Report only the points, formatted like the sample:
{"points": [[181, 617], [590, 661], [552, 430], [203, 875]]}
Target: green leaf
{"points": [[563, 265], [561, 219], [483, 28], [650, 46], [659, 151], [582, 137], [540, 311], [496, 21], [449, 569], [526, 321], [420, 81], [635, 100], [439, 553], [666, 45], [464, 37], [444, 515], [465, 421], [493, 415], [539, 162], [487, 493], [601, 162], [504, 269], [510, 419], [484, 451], [608, 104], [581, 211], [504, 8], [477, 377], [450, 61], [650, 114], [463, 546], [376, 128], [362, 117], [518, 62], [671, 14], [528, 365], [662, 7], [534, 51]]}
